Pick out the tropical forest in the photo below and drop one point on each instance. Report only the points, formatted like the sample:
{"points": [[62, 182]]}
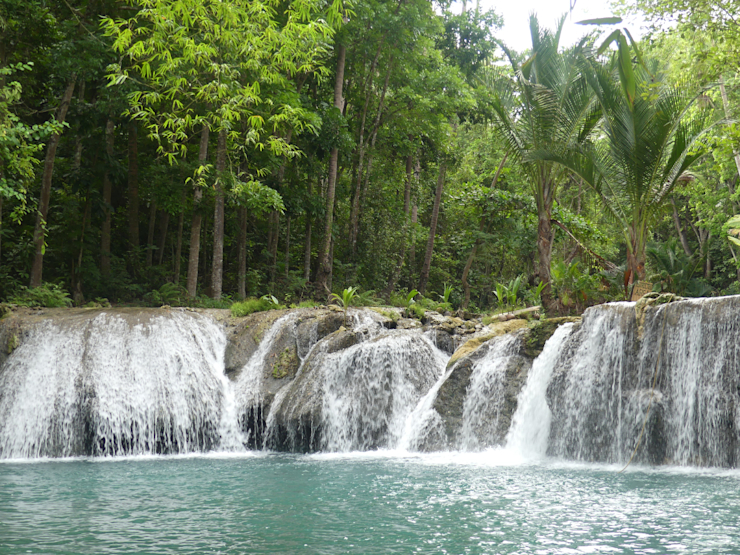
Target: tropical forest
{"points": [[267, 153]]}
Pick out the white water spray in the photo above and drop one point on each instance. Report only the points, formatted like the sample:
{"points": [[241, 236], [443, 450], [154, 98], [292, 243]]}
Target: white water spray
{"points": [[530, 425]]}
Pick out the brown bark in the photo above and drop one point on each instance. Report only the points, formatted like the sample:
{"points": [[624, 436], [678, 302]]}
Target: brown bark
{"points": [[150, 232], [307, 244], [275, 227], [242, 253], [77, 294], [396, 274], [163, 225], [287, 247], [424, 277], [107, 196], [39, 232], [325, 260], [679, 229], [412, 248], [178, 248], [194, 256], [217, 272], [133, 187]]}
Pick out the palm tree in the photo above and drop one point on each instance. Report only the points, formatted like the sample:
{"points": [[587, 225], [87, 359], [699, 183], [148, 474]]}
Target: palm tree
{"points": [[553, 111], [650, 136]]}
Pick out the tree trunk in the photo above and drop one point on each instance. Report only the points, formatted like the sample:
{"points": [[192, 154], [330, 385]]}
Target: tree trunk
{"points": [[361, 191], [242, 249], [307, 244], [164, 224], [679, 229], [150, 233], [107, 197], [178, 248], [193, 258], [39, 232], [275, 226], [325, 261], [133, 188], [77, 295], [287, 247], [412, 249], [355, 208], [424, 277], [390, 287], [217, 272]]}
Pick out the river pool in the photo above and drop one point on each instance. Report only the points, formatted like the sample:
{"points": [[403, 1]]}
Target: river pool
{"points": [[363, 503]]}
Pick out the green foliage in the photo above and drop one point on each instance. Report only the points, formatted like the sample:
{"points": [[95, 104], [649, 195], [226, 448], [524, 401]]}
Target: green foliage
{"points": [[248, 306], [732, 230], [347, 298], [508, 294], [573, 287], [48, 295], [416, 311], [19, 142], [169, 294], [676, 271]]}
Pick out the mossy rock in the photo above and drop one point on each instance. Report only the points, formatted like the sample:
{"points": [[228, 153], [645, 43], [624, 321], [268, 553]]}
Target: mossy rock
{"points": [[542, 330], [494, 330], [287, 364], [13, 343], [651, 300]]}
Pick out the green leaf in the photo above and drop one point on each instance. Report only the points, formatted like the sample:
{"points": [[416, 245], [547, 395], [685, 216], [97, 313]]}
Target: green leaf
{"points": [[613, 20]]}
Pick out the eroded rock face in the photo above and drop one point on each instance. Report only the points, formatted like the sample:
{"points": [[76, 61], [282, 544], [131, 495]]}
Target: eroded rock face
{"points": [[479, 395]]}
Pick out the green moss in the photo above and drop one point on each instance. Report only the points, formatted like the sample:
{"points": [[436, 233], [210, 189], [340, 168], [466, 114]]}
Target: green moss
{"points": [[416, 311], [500, 328], [540, 331], [390, 314], [13, 343], [286, 364], [248, 306]]}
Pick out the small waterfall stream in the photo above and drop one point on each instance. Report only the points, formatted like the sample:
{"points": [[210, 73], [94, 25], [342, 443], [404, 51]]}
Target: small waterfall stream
{"points": [[530, 425]]}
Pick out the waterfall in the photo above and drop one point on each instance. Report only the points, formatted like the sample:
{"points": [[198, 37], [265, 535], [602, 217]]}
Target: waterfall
{"points": [[662, 382], [482, 423], [530, 425], [250, 379], [116, 383], [371, 389], [602, 393]]}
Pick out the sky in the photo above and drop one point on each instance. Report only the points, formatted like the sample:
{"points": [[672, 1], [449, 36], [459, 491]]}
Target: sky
{"points": [[516, 18]]}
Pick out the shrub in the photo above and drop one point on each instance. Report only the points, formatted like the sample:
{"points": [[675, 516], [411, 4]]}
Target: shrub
{"points": [[49, 295], [248, 306]]}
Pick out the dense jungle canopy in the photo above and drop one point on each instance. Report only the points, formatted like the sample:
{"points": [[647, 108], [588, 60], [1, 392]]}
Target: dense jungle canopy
{"points": [[196, 152]]}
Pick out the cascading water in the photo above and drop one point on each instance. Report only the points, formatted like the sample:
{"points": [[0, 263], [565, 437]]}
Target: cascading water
{"points": [[602, 394], [371, 389], [530, 425], [137, 382], [249, 381], [114, 384], [482, 424]]}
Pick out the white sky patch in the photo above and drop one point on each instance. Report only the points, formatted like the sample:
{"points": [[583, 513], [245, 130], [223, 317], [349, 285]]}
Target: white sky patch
{"points": [[516, 18]]}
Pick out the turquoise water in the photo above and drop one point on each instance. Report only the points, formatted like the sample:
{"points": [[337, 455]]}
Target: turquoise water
{"points": [[364, 504]]}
